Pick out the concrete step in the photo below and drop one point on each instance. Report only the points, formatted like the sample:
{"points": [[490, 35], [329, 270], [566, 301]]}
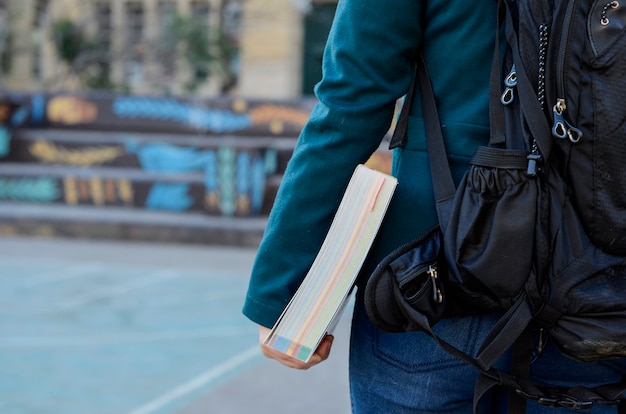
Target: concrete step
{"points": [[116, 223]]}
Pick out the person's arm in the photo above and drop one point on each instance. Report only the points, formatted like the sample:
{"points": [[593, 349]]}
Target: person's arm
{"points": [[367, 66]]}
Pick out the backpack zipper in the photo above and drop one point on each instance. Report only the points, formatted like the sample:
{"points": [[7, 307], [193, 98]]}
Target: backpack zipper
{"points": [[434, 276], [543, 51], [561, 128], [413, 292], [534, 157]]}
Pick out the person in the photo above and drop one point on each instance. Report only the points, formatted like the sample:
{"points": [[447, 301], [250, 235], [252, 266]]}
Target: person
{"points": [[367, 66]]}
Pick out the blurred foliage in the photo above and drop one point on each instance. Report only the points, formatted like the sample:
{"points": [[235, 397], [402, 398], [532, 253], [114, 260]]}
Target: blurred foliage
{"points": [[192, 36], [207, 50], [6, 44], [68, 40], [6, 55], [85, 56]]}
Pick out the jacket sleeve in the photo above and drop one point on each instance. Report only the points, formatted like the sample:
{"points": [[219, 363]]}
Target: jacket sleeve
{"points": [[367, 66]]}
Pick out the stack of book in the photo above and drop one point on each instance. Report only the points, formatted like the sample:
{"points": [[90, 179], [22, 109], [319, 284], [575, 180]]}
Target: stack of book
{"points": [[320, 298]]}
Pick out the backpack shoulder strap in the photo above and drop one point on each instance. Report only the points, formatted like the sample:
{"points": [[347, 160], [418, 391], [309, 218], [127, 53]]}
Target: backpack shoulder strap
{"points": [[443, 184]]}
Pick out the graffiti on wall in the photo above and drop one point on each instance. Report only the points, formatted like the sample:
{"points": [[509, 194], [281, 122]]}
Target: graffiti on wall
{"points": [[97, 191], [204, 119], [69, 190], [239, 117], [68, 110], [38, 189], [5, 141], [101, 191], [10, 116], [222, 180], [158, 168], [153, 114], [225, 179], [49, 153]]}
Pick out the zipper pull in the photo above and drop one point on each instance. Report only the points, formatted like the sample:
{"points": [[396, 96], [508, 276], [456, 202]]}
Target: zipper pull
{"points": [[533, 164], [561, 128], [510, 81], [574, 134], [432, 272], [534, 158], [511, 78]]}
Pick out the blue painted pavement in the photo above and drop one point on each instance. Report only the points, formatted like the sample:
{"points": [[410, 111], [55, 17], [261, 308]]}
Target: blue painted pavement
{"points": [[112, 327]]}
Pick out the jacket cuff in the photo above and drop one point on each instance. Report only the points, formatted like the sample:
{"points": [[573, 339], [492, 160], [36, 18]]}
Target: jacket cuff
{"points": [[261, 313]]}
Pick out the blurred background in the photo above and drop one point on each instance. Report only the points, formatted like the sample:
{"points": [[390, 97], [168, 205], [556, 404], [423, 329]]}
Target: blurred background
{"points": [[269, 49], [160, 118], [141, 146]]}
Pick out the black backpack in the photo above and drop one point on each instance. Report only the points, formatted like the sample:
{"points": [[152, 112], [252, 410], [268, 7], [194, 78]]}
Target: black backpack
{"points": [[537, 227]]}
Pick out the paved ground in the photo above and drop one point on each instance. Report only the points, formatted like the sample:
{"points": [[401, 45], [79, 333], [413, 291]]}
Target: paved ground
{"points": [[134, 328]]}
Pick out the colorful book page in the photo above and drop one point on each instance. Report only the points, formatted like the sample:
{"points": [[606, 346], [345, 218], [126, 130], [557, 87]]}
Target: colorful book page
{"points": [[319, 298]]}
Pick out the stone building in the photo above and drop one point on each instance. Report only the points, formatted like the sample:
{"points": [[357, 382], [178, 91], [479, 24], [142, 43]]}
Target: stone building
{"points": [[274, 46]]}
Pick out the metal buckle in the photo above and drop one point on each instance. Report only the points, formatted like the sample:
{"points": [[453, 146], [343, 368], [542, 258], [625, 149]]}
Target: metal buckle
{"points": [[574, 404], [548, 402], [555, 400]]}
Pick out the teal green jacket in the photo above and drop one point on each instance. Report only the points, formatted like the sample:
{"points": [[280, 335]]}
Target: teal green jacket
{"points": [[367, 66]]}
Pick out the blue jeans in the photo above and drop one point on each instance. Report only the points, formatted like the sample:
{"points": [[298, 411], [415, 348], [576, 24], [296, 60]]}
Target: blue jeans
{"points": [[408, 372]]}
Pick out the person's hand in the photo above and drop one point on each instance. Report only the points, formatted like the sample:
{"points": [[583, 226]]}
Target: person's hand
{"points": [[321, 353]]}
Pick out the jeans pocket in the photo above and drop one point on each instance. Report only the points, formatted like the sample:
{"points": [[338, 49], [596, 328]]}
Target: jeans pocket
{"points": [[418, 352]]}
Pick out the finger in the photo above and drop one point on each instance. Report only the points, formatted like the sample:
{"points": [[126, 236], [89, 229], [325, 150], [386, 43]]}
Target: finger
{"points": [[321, 353], [323, 350]]}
